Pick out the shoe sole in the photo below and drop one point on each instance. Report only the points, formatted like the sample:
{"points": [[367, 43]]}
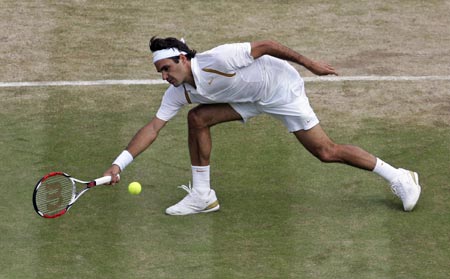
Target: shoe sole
{"points": [[415, 178], [210, 208]]}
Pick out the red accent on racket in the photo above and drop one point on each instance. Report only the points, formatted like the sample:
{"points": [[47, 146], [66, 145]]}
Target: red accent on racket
{"points": [[56, 192]]}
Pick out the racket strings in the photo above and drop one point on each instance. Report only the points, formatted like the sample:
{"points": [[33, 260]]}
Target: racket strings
{"points": [[54, 194]]}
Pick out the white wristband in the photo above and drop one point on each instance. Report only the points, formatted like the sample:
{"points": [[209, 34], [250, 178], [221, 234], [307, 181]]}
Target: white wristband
{"points": [[123, 160]]}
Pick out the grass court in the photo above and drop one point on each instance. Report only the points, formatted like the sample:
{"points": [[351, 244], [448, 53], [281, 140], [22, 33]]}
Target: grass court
{"points": [[283, 213]]}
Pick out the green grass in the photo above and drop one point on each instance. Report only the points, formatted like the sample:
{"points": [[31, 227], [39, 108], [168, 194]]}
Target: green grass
{"points": [[284, 214]]}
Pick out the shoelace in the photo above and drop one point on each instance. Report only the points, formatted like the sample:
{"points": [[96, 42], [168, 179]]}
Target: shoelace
{"points": [[397, 189], [186, 188]]}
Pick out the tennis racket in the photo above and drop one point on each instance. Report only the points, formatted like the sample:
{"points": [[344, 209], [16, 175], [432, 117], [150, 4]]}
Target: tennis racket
{"points": [[56, 192]]}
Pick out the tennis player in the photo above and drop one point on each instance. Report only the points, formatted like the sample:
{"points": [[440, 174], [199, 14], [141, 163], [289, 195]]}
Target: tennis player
{"points": [[237, 82]]}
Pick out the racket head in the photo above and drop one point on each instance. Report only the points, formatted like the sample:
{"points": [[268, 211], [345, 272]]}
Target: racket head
{"points": [[53, 194]]}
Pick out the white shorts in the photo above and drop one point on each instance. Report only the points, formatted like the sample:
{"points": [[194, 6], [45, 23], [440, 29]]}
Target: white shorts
{"points": [[289, 105]]}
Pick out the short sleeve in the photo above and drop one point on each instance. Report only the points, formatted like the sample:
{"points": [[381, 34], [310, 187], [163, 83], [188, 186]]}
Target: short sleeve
{"points": [[173, 100]]}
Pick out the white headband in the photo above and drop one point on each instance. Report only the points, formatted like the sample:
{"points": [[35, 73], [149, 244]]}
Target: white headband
{"points": [[166, 53]]}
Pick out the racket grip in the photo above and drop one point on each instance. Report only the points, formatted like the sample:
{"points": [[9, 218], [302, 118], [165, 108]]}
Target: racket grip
{"points": [[104, 180]]}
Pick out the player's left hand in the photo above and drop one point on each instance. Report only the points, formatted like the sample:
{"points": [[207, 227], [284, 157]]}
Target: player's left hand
{"points": [[322, 69]]}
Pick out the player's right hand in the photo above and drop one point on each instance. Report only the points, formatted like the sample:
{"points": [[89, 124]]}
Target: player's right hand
{"points": [[113, 171]]}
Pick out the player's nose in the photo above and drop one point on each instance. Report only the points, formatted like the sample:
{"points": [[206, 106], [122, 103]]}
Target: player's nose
{"points": [[164, 75]]}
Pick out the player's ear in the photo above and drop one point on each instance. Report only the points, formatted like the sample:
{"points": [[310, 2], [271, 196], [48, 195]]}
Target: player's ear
{"points": [[183, 58]]}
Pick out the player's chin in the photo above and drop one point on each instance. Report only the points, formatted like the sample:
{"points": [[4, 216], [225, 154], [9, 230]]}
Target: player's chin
{"points": [[174, 82]]}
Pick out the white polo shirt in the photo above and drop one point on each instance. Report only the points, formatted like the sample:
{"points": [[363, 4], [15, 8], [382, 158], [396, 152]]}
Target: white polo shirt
{"points": [[229, 74]]}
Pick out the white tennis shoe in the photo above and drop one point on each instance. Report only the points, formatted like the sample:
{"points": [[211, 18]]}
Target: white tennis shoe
{"points": [[193, 203], [407, 188]]}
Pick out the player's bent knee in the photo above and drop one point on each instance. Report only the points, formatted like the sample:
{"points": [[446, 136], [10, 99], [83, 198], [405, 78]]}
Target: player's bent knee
{"points": [[327, 154], [196, 119]]}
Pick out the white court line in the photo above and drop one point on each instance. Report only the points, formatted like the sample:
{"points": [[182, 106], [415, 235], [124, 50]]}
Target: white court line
{"points": [[376, 78], [82, 83], [153, 81]]}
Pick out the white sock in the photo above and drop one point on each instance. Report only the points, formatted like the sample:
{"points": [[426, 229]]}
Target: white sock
{"points": [[201, 179], [385, 170]]}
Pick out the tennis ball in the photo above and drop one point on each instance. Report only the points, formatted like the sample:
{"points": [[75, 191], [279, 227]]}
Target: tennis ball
{"points": [[134, 188]]}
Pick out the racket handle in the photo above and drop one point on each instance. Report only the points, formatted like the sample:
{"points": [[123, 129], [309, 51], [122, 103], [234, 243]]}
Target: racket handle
{"points": [[104, 180]]}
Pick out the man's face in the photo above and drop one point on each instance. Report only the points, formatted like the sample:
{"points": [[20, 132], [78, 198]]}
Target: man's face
{"points": [[172, 72]]}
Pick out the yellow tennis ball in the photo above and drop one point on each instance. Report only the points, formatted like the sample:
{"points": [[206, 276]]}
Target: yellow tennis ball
{"points": [[134, 188]]}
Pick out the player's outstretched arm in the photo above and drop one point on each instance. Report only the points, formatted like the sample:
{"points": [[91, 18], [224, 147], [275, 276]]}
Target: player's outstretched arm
{"points": [[275, 49], [145, 136], [140, 142]]}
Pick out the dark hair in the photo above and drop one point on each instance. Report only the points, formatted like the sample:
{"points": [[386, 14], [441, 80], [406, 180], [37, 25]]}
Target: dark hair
{"points": [[160, 43]]}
